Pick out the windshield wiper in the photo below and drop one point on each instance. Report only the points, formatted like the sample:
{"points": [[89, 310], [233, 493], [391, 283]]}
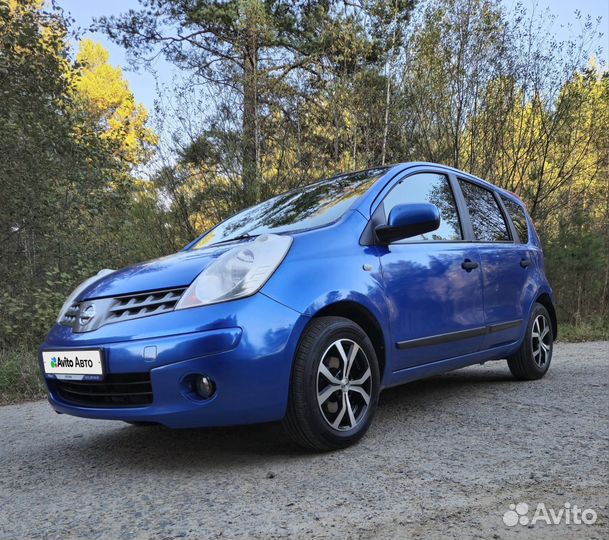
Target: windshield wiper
{"points": [[243, 236]]}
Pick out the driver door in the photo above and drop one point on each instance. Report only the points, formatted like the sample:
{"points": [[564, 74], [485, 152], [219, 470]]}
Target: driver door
{"points": [[433, 282]]}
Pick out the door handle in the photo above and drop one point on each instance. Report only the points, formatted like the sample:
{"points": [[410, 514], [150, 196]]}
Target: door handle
{"points": [[469, 265], [525, 262]]}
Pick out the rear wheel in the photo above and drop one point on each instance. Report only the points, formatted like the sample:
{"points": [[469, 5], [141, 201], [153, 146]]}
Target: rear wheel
{"points": [[533, 359], [335, 385]]}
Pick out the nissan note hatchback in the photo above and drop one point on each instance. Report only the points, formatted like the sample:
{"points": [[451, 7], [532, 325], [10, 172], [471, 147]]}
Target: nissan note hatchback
{"points": [[304, 307]]}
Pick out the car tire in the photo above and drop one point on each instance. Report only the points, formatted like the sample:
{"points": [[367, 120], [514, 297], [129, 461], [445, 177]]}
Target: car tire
{"points": [[141, 424], [328, 409], [533, 359]]}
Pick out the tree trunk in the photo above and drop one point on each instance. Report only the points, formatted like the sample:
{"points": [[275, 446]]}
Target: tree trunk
{"points": [[386, 120], [250, 117], [388, 88]]}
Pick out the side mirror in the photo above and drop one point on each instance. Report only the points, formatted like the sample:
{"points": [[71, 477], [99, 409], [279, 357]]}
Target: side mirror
{"points": [[408, 220]]}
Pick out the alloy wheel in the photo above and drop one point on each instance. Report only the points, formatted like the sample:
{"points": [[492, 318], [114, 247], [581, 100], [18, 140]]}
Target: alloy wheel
{"points": [[344, 384], [541, 341]]}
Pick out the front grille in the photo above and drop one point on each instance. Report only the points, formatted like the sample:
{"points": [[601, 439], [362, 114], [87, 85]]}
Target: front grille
{"points": [[141, 305], [120, 390], [91, 314], [69, 319]]}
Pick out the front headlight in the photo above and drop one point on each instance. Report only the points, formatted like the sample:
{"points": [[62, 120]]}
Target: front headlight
{"points": [[239, 272], [79, 289]]}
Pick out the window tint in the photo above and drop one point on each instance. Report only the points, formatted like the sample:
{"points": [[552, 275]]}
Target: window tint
{"points": [[428, 188], [519, 219], [487, 220]]}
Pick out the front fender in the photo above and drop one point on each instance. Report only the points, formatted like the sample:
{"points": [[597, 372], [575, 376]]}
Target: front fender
{"points": [[328, 266]]}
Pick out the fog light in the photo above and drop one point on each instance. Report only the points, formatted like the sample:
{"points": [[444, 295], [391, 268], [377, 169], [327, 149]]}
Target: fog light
{"points": [[204, 386]]}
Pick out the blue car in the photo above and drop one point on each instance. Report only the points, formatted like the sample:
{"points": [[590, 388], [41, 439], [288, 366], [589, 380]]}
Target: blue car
{"points": [[301, 309]]}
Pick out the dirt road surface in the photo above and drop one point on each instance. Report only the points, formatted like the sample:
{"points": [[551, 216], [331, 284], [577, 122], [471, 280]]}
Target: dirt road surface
{"points": [[444, 458]]}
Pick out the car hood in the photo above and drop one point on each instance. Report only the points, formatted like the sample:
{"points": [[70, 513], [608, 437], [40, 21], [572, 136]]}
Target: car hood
{"points": [[177, 270]]}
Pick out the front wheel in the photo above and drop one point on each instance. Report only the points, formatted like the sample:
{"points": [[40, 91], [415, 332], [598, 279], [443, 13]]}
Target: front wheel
{"points": [[532, 360], [335, 385]]}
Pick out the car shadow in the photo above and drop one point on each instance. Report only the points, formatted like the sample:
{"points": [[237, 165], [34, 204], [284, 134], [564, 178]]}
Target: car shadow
{"points": [[446, 383], [196, 449]]}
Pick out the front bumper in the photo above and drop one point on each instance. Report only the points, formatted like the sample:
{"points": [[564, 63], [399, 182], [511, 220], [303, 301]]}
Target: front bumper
{"points": [[246, 346]]}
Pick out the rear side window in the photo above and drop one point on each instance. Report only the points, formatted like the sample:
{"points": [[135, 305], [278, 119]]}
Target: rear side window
{"points": [[487, 219], [428, 188], [519, 219]]}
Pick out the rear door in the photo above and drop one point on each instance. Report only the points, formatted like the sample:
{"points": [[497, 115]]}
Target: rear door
{"points": [[433, 282], [505, 264]]}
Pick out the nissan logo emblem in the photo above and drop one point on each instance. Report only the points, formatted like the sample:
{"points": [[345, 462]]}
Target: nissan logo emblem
{"points": [[87, 314]]}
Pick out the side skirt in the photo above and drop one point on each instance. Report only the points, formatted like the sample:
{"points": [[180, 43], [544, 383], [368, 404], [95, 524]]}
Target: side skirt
{"points": [[442, 366]]}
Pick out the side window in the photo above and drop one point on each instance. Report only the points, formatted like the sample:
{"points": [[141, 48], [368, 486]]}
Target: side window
{"points": [[519, 219], [428, 188], [487, 220]]}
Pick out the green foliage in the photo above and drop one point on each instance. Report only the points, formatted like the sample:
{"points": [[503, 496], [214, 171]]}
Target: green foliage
{"points": [[65, 189], [576, 262], [101, 90], [26, 316], [593, 330], [20, 378], [274, 68]]}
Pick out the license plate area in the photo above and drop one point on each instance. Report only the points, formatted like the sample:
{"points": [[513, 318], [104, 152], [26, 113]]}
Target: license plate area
{"points": [[74, 364]]}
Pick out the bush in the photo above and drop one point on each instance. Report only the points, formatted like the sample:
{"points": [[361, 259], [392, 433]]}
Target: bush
{"points": [[20, 378], [597, 330]]}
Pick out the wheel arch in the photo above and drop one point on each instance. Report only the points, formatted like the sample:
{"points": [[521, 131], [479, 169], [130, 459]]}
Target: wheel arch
{"points": [[546, 301], [364, 318]]}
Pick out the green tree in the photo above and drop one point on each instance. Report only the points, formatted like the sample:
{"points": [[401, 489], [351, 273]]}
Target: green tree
{"points": [[64, 187], [242, 46], [103, 92]]}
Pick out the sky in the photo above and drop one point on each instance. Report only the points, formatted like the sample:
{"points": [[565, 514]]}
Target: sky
{"points": [[84, 11], [144, 86]]}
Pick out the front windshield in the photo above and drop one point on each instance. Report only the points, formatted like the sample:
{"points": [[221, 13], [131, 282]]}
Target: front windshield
{"points": [[308, 207]]}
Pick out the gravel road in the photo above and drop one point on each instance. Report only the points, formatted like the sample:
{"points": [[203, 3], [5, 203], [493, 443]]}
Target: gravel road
{"points": [[444, 458]]}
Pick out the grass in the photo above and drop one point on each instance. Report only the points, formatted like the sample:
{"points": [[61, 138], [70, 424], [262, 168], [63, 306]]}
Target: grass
{"points": [[587, 331], [20, 378]]}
